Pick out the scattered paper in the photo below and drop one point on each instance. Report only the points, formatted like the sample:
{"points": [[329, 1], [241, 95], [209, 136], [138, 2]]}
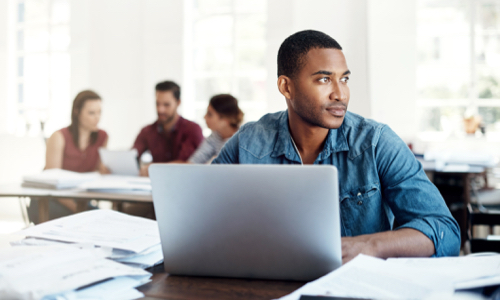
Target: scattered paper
{"points": [[58, 179], [467, 271], [105, 228], [373, 278], [405, 278], [118, 184], [39, 271]]}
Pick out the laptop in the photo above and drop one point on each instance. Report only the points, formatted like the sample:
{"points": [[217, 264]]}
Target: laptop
{"points": [[120, 162], [248, 221]]}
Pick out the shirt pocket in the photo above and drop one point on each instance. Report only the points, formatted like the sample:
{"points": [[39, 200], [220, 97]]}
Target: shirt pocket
{"points": [[362, 211]]}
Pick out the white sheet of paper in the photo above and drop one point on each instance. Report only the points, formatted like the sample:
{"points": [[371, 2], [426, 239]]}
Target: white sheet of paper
{"points": [[369, 277], [466, 271], [144, 260], [34, 272], [60, 179], [116, 288], [119, 184], [104, 228]]}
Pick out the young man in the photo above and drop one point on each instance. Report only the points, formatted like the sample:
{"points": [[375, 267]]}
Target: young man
{"points": [[380, 179], [171, 138]]}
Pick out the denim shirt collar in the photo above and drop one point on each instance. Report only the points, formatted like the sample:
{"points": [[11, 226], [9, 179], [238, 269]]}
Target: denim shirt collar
{"points": [[336, 141]]}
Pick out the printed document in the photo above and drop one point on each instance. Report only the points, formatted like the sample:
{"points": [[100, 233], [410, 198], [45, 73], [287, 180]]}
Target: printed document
{"points": [[373, 278], [105, 228], [38, 271]]}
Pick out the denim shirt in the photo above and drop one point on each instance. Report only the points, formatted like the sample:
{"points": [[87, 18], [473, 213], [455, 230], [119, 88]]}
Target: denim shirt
{"points": [[379, 178]]}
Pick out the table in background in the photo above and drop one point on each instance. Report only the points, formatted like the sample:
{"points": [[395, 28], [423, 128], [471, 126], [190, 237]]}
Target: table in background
{"points": [[43, 196], [164, 286]]}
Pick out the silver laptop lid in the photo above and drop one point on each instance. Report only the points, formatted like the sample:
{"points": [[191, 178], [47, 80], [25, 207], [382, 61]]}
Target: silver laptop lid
{"points": [[120, 162], [249, 221]]}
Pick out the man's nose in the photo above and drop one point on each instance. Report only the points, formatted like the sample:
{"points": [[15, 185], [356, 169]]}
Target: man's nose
{"points": [[338, 92]]}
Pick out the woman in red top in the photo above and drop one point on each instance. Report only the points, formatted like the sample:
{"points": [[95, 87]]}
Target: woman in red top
{"points": [[75, 148]]}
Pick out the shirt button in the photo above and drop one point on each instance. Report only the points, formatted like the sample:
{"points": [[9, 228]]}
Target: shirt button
{"points": [[360, 202]]}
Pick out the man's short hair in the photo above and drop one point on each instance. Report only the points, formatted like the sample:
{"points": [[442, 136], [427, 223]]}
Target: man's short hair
{"points": [[166, 86], [293, 50]]}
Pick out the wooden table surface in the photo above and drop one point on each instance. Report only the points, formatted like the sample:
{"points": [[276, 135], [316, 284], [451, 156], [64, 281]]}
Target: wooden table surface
{"points": [[164, 286]]}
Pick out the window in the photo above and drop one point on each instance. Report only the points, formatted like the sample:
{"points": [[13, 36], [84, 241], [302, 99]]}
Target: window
{"points": [[42, 64], [458, 64], [226, 55]]}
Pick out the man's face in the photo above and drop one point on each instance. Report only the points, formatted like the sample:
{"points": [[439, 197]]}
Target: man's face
{"points": [[320, 94], [166, 106]]}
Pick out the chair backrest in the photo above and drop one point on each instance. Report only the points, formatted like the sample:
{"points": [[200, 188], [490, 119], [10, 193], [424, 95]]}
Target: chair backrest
{"points": [[482, 217]]}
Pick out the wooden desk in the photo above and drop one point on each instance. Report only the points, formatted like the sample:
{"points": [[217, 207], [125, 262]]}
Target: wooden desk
{"points": [[43, 196], [164, 286]]}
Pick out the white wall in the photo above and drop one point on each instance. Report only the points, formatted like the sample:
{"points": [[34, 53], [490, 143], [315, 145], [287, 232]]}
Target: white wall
{"points": [[345, 21], [121, 50], [4, 17], [392, 64]]}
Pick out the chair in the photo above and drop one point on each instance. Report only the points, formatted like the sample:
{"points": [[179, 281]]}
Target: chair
{"points": [[482, 216]]}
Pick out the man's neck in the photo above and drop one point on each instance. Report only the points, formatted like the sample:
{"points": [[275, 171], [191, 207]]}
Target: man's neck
{"points": [[308, 138], [168, 126]]}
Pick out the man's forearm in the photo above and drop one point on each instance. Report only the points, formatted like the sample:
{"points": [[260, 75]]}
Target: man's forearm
{"points": [[405, 242]]}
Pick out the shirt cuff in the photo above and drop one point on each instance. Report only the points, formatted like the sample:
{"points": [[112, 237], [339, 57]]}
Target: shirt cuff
{"points": [[445, 234]]}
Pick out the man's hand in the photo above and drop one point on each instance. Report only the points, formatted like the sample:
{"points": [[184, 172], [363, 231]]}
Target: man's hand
{"points": [[144, 171], [361, 244], [405, 242]]}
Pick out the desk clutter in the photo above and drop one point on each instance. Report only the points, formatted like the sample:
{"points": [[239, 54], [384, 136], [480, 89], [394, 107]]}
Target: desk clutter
{"points": [[94, 254], [405, 278], [458, 161], [91, 182]]}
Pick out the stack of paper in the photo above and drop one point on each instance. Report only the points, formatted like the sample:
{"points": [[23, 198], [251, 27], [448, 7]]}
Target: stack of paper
{"points": [[58, 179], [409, 278], [64, 272], [127, 239], [119, 184], [466, 272]]}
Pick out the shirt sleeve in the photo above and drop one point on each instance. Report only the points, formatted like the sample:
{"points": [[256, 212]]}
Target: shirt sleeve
{"points": [[140, 143], [205, 152], [229, 154], [192, 141], [414, 200]]}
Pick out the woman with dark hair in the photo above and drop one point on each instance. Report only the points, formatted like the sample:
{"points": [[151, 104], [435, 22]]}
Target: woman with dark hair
{"points": [[75, 148], [224, 118]]}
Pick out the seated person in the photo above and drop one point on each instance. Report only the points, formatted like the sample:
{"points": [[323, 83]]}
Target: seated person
{"points": [[379, 178], [224, 118], [75, 148], [171, 138]]}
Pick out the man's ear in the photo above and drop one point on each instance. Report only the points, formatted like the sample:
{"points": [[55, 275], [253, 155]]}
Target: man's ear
{"points": [[285, 86]]}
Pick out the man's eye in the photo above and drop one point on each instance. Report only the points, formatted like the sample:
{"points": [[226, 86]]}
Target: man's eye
{"points": [[324, 80], [344, 79]]}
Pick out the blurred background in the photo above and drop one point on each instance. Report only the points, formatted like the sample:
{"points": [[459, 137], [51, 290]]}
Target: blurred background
{"points": [[428, 68]]}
